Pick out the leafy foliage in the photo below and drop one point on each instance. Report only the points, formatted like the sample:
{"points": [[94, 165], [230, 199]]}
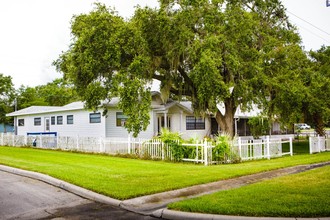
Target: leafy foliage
{"points": [[59, 92], [174, 141], [6, 98], [316, 106], [206, 51], [258, 126]]}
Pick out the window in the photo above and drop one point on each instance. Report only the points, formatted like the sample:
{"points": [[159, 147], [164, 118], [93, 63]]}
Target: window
{"points": [[69, 119], [193, 123], [52, 119], [47, 125], [120, 119], [95, 118], [59, 120], [37, 121], [20, 122]]}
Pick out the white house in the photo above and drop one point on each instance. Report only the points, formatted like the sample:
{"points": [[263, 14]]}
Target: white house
{"points": [[74, 120]]}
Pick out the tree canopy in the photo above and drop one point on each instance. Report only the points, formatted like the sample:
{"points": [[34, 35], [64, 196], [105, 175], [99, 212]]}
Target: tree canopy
{"points": [[6, 97], [56, 93], [316, 106], [229, 51]]}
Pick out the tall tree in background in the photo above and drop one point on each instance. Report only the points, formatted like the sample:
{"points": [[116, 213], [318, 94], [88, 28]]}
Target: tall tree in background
{"points": [[317, 104], [207, 51], [28, 96], [56, 93], [6, 98]]}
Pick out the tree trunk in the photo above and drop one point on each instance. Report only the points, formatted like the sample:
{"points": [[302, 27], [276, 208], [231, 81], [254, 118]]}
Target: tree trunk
{"points": [[226, 120], [319, 124]]}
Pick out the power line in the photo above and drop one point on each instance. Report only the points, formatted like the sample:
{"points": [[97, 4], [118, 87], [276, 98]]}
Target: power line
{"points": [[311, 32], [308, 23]]}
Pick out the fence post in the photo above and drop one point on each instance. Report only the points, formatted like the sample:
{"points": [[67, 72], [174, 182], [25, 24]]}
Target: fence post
{"points": [[310, 145], [163, 150], [319, 143], [129, 144], [205, 153], [291, 146], [196, 152], [240, 147], [13, 140], [100, 142], [267, 147], [77, 143], [1, 140]]}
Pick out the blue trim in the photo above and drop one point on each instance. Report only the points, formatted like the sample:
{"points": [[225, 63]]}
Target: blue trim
{"points": [[42, 133]]}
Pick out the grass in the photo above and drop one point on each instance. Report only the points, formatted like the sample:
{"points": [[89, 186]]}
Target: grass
{"points": [[299, 147], [123, 178], [301, 195]]}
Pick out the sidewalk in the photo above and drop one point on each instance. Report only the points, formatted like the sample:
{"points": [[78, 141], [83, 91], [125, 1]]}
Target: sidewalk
{"points": [[155, 205]]}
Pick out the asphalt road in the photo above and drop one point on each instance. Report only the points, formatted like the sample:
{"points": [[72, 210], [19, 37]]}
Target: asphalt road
{"points": [[25, 198]]}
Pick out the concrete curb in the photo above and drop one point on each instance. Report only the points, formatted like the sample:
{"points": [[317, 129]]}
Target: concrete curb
{"points": [[160, 213], [177, 215], [63, 185]]}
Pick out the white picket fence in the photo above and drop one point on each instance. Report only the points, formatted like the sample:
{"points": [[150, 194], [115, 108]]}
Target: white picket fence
{"points": [[200, 152], [319, 144], [262, 148]]}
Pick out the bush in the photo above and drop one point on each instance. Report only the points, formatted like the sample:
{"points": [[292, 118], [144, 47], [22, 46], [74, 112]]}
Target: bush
{"points": [[222, 147], [258, 126], [223, 152], [174, 141]]}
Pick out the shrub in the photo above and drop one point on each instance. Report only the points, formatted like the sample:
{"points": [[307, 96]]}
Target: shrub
{"points": [[174, 141], [222, 148], [258, 126]]}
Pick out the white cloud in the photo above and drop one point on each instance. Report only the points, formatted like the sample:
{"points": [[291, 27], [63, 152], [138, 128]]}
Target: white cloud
{"points": [[35, 32]]}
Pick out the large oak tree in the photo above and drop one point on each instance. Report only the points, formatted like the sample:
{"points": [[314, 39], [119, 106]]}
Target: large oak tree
{"points": [[206, 51]]}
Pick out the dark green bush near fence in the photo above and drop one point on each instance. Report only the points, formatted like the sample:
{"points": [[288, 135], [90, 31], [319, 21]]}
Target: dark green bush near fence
{"points": [[223, 152], [174, 141]]}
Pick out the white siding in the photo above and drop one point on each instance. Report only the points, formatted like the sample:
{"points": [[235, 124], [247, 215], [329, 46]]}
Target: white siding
{"points": [[113, 131], [80, 127], [178, 124]]}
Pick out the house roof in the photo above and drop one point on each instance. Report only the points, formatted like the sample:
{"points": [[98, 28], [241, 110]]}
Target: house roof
{"points": [[32, 110], [184, 105], [35, 110]]}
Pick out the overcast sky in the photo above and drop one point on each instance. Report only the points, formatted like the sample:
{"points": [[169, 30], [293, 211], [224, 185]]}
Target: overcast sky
{"points": [[35, 32]]}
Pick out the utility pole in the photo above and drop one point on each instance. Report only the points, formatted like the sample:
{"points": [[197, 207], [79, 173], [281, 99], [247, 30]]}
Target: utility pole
{"points": [[15, 118]]}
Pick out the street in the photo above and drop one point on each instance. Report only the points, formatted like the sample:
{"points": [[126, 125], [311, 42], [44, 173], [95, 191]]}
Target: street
{"points": [[25, 198]]}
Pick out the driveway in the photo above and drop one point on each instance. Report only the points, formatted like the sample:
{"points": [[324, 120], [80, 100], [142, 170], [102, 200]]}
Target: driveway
{"points": [[25, 198]]}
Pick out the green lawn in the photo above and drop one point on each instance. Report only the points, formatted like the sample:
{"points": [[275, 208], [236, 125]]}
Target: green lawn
{"points": [[301, 195], [299, 147], [123, 178]]}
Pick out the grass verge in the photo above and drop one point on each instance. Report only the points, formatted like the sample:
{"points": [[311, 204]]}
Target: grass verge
{"points": [[301, 195], [122, 178]]}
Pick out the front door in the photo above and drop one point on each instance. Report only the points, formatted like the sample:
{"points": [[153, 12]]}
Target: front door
{"points": [[47, 125]]}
